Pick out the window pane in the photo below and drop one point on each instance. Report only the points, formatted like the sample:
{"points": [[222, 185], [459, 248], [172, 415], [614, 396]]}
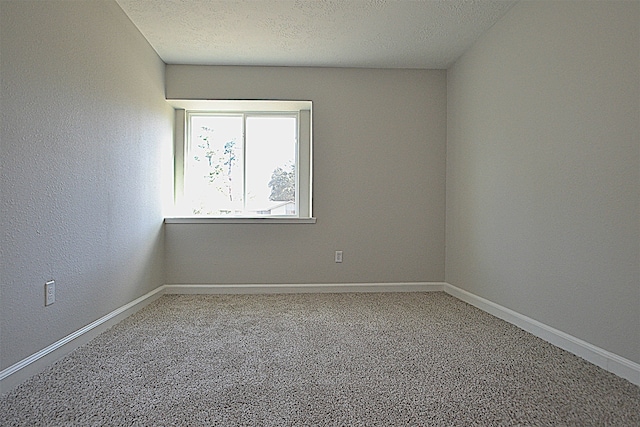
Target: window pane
{"points": [[271, 165], [214, 178]]}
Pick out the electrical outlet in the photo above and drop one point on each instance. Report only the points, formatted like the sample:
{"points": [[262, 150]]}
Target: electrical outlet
{"points": [[338, 256], [49, 292]]}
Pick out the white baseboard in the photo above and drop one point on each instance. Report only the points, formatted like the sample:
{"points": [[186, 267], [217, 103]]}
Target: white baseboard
{"points": [[304, 288], [22, 370], [605, 359], [29, 366]]}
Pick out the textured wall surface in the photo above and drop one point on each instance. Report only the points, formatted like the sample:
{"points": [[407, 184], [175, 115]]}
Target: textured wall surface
{"points": [[378, 184], [85, 131], [543, 169]]}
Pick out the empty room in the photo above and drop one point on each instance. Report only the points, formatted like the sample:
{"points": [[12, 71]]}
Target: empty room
{"points": [[309, 212]]}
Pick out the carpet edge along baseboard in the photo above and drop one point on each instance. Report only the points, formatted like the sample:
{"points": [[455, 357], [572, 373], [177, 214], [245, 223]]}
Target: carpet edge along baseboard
{"points": [[33, 364]]}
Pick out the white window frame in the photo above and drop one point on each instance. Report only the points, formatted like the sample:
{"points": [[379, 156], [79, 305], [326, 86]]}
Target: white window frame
{"points": [[304, 152]]}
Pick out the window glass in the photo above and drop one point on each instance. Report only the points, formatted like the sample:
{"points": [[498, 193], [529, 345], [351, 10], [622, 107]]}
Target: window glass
{"points": [[270, 162]]}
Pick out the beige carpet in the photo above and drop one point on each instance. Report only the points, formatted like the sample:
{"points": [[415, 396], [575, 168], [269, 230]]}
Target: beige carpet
{"points": [[405, 359]]}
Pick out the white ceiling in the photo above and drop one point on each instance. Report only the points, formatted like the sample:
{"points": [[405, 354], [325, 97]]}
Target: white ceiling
{"points": [[428, 34]]}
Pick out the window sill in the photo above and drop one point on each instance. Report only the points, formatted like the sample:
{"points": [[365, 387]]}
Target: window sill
{"points": [[211, 220]]}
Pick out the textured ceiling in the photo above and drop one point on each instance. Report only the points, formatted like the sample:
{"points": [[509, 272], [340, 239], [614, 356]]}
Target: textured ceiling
{"points": [[331, 33]]}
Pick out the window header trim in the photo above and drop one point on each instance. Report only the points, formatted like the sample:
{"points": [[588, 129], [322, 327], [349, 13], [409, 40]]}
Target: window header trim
{"points": [[239, 105]]}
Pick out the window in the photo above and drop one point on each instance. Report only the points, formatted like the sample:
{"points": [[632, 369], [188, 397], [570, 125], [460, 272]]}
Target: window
{"points": [[244, 159]]}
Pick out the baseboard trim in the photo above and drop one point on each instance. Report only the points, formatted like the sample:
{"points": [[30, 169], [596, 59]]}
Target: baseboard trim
{"points": [[29, 366], [605, 359], [303, 288]]}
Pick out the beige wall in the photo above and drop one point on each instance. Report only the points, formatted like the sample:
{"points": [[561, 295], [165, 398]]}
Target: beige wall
{"points": [[543, 169], [378, 193], [84, 133]]}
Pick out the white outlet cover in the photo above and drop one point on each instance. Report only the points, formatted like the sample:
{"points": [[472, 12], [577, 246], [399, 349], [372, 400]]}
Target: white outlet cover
{"points": [[49, 292]]}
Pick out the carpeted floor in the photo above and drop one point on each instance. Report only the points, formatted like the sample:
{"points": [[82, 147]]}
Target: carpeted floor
{"points": [[404, 359]]}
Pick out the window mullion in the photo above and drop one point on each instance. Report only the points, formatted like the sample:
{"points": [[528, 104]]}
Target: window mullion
{"points": [[244, 163]]}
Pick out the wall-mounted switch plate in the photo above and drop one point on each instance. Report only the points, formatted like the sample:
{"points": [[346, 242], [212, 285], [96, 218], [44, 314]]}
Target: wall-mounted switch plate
{"points": [[338, 256], [49, 292]]}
